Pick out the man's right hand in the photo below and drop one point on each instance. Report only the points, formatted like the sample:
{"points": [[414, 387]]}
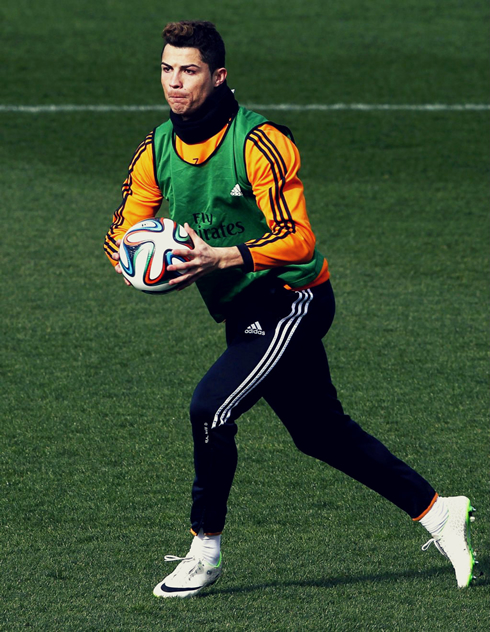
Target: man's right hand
{"points": [[117, 268]]}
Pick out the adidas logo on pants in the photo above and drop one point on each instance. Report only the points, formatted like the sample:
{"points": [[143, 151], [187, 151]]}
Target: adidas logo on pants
{"points": [[255, 328]]}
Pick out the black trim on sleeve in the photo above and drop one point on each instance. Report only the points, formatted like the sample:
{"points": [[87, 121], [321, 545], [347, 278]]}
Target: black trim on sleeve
{"points": [[248, 262]]}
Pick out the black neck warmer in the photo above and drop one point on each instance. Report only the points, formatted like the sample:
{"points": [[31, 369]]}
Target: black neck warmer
{"points": [[211, 117]]}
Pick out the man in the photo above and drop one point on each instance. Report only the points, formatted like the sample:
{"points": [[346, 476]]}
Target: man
{"points": [[231, 178]]}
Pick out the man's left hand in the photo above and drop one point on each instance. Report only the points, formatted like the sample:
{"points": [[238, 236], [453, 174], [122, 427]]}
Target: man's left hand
{"points": [[203, 259]]}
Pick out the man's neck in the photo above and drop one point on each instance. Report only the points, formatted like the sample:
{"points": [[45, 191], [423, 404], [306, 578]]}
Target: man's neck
{"points": [[209, 120]]}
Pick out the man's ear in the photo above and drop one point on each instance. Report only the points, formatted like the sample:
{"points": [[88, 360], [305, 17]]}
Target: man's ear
{"points": [[219, 76]]}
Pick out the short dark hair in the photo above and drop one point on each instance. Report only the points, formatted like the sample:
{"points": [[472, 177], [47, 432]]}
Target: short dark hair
{"points": [[200, 35]]}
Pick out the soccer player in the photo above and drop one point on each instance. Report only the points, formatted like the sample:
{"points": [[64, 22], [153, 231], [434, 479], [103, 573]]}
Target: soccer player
{"points": [[231, 178]]}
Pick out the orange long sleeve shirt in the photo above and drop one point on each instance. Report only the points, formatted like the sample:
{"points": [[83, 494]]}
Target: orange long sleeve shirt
{"points": [[272, 162]]}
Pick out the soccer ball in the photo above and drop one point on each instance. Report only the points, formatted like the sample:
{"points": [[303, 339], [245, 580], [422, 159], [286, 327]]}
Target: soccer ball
{"points": [[146, 252]]}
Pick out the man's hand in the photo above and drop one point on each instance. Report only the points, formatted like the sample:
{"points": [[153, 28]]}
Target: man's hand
{"points": [[203, 259], [117, 268]]}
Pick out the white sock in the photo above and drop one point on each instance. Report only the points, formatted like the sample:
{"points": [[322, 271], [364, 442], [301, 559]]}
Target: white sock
{"points": [[207, 547], [435, 519]]}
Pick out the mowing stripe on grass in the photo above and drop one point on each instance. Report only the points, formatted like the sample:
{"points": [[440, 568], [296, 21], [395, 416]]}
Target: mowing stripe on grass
{"points": [[286, 107]]}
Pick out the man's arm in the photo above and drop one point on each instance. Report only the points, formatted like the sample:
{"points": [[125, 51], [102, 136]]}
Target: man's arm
{"points": [[141, 198], [272, 162]]}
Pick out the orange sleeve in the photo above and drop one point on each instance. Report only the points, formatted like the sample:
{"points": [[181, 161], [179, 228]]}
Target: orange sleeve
{"points": [[272, 162], [141, 196]]}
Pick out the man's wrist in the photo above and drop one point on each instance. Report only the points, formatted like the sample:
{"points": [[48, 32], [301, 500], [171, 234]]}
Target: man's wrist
{"points": [[231, 257]]}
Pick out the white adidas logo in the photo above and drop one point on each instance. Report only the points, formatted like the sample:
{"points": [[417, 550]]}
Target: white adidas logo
{"points": [[255, 328], [236, 191]]}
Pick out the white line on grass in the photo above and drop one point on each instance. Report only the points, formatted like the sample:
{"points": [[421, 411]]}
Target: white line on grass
{"points": [[319, 107], [285, 107]]}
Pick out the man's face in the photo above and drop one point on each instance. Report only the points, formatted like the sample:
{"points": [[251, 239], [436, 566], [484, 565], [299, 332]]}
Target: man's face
{"points": [[186, 79]]}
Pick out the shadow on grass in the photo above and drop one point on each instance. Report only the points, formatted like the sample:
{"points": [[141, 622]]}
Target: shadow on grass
{"points": [[481, 573]]}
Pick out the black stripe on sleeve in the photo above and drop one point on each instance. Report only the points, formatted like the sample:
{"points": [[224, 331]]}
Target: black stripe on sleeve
{"points": [[128, 183], [276, 213], [282, 214], [283, 171]]}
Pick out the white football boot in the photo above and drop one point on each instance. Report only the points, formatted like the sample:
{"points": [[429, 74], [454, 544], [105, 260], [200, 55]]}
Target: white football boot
{"points": [[454, 540], [190, 576]]}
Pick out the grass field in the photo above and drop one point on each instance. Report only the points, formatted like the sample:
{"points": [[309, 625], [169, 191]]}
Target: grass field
{"points": [[95, 445]]}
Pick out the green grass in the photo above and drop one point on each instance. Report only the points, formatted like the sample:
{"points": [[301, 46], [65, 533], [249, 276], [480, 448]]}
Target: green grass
{"points": [[95, 446]]}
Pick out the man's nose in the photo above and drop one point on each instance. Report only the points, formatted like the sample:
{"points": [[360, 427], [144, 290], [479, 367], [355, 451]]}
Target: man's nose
{"points": [[175, 80]]}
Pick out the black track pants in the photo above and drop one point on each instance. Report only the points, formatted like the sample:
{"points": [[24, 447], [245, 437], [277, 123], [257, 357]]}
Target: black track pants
{"points": [[275, 351]]}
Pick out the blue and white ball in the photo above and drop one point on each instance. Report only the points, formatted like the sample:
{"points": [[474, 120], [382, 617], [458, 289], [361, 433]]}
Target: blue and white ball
{"points": [[146, 252]]}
